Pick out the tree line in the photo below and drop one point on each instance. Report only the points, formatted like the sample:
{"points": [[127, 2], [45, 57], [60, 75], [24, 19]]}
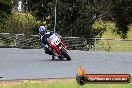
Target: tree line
{"points": [[76, 17], [5, 10]]}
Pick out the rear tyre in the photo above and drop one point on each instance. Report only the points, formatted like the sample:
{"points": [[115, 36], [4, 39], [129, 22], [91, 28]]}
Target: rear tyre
{"points": [[60, 58], [64, 53]]}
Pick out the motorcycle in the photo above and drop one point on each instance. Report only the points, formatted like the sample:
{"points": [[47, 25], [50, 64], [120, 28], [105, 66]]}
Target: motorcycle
{"points": [[58, 48]]}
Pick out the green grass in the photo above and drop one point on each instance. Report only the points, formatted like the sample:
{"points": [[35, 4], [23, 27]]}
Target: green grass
{"points": [[113, 45], [70, 83], [110, 26]]}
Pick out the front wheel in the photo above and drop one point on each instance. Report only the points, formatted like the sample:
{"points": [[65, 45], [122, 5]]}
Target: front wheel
{"points": [[64, 53]]}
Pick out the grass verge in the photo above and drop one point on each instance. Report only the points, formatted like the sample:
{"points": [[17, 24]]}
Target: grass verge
{"points": [[113, 45], [60, 83]]}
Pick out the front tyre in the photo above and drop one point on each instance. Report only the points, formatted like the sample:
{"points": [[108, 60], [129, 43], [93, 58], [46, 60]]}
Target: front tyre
{"points": [[64, 53]]}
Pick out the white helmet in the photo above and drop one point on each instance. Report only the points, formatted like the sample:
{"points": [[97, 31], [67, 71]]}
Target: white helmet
{"points": [[42, 28]]}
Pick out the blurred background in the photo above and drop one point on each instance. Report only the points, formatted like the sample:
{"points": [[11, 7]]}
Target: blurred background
{"points": [[97, 25]]}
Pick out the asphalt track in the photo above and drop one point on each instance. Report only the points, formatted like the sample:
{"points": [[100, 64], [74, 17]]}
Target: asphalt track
{"points": [[21, 64]]}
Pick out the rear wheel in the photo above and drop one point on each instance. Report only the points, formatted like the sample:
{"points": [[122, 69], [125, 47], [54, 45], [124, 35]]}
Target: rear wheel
{"points": [[64, 53], [60, 58]]}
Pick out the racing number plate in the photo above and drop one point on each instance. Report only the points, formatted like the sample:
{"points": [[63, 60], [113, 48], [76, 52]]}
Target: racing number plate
{"points": [[56, 41]]}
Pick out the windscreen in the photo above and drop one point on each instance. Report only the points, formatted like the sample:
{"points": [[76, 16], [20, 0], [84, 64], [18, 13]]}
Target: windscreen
{"points": [[52, 37]]}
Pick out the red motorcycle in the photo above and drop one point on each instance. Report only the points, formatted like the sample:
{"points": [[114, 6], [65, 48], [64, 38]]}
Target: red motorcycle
{"points": [[58, 48]]}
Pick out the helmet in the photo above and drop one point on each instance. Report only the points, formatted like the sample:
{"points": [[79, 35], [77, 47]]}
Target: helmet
{"points": [[42, 28]]}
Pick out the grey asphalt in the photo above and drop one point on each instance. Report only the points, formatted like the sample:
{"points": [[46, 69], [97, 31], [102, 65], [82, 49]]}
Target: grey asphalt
{"points": [[21, 64]]}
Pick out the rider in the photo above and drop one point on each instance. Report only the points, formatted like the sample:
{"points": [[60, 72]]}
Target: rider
{"points": [[43, 39]]}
